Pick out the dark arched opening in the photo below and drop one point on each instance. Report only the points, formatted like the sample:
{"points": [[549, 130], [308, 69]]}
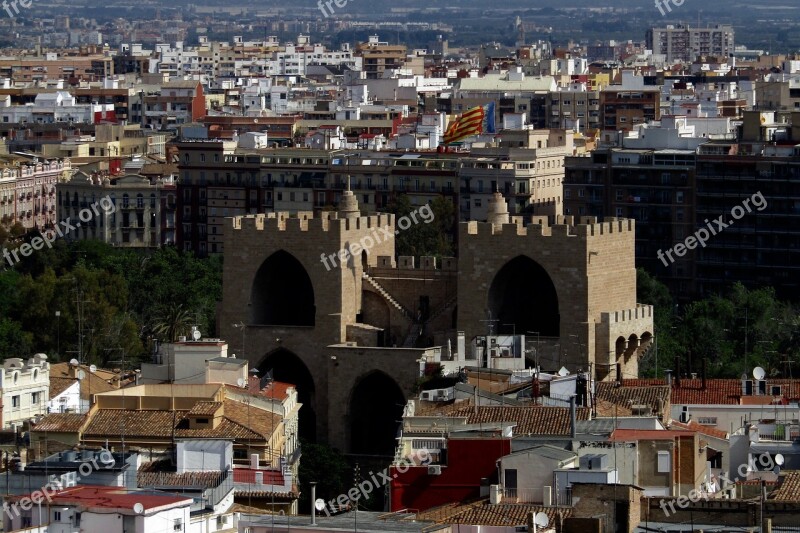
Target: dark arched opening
{"points": [[282, 293], [522, 298], [376, 407], [289, 368]]}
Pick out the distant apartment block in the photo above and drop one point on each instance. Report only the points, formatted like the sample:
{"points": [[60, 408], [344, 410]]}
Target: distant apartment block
{"points": [[144, 214], [684, 43], [622, 109], [25, 388]]}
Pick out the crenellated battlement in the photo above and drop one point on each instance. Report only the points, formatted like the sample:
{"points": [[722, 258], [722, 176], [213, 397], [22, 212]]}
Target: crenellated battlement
{"points": [[563, 226], [628, 315], [308, 221]]}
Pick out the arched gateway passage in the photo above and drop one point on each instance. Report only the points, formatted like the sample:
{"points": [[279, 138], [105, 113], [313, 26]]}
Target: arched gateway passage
{"points": [[523, 298], [282, 293], [289, 368], [376, 408]]}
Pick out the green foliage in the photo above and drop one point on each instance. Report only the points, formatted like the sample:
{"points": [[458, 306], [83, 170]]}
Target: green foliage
{"points": [[328, 467], [733, 332], [128, 296], [422, 238]]}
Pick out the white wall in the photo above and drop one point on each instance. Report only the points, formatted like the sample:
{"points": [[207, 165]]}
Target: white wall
{"points": [[69, 399], [204, 455]]}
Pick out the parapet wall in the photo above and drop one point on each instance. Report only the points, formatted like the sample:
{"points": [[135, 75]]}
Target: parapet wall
{"points": [[305, 221], [562, 226]]}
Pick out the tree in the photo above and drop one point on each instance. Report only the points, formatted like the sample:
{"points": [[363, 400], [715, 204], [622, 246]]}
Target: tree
{"points": [[425, 235], [328, 468]]}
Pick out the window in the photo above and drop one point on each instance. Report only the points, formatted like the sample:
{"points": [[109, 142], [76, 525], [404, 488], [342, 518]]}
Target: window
{"points": [[178, 525], [34, 398], [15, 401], [202, 420], [663, 462], [56, 516]]}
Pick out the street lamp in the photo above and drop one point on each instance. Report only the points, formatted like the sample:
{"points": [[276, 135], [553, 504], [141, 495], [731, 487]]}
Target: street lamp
{"points": [[242, 325], [58, 335]]}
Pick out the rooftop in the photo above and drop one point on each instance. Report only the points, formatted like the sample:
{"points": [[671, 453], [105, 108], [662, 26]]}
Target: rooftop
{"points": [[98, 498]]}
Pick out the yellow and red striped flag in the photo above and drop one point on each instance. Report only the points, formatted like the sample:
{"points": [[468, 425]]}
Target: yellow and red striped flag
{"points": [[476, 120]]}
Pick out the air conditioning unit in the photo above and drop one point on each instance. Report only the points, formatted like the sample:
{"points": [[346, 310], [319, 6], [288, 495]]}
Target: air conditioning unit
{"points": [[434, 470]]}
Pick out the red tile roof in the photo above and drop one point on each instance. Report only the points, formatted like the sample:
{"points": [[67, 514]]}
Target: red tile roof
{"points": [[700, 428], [102, 497], [530, 419], [60, 423], [483, 513], [718, 391], [59, 385], [789, 490]]}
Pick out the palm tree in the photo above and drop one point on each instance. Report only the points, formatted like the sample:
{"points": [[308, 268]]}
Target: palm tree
{"points": [[171, 322]]}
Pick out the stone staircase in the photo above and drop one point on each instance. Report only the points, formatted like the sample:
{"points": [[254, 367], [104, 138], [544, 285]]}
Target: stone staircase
{"points": [[388, 297]]}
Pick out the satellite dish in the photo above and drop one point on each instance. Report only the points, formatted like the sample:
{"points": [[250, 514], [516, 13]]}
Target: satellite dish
{"points": [[779, 459], [93, 368], [759, 373], [563, 372], [196, 334], [541, 520], [73, 362], [81, 374], [319, 504], [241, 382], [138, 508]]}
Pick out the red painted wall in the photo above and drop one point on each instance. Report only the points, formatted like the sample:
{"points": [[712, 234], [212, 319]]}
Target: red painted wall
{"points": [[198, 104], [468, 460]]}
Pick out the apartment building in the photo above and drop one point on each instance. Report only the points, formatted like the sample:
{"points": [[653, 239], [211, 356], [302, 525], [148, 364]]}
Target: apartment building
{"points": [[176, 102], [28, 190], [89, 66], [527, 168], [775, 95], [25, 389], [684, 43], [219, 180], [379, 56], [622, 109], [575, 108], [143, 215]]}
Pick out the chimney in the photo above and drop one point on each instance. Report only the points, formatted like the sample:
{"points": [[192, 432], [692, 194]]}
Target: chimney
{"points": [[703, 373], [668, 377], [573, 430]]}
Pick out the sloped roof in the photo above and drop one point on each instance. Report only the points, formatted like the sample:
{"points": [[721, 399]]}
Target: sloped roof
{"points": [[530, 419], [789, 489], [718, 391], [239, 422], [483, 513], [61, 423], [59, 385]]}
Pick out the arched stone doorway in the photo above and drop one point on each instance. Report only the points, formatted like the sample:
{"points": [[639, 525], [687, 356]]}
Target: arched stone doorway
{"points": [[523, 298], [282, 293], [375, 411], [289, 368]]}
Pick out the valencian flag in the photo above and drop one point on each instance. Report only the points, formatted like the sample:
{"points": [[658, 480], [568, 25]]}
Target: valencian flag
{"points": [[474, 121]]}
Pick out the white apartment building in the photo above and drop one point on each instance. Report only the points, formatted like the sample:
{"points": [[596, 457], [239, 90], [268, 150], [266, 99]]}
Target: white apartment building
{"points": [[684, 43], [59, 106], [25, 388]]}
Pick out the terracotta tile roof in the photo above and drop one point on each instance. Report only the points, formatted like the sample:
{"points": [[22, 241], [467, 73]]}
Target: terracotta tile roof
{"points": [[60, 423], [630, 435], [205, 408], [93, 497], [718, 391], [483, 513], [59, 385], [530, 419], [239, 422], [613, 400], [700, 428], [287, 496], [789, 490], [91, 384]]}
